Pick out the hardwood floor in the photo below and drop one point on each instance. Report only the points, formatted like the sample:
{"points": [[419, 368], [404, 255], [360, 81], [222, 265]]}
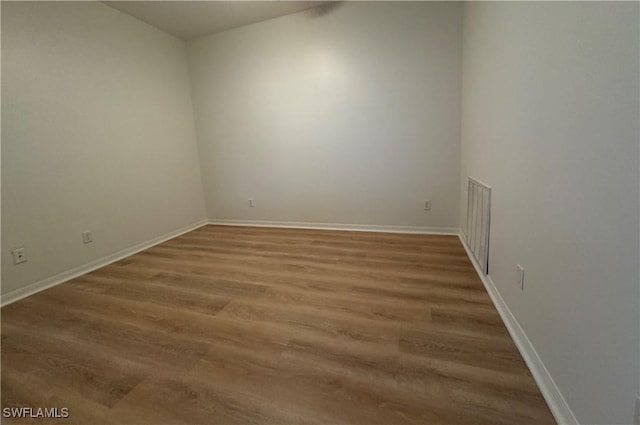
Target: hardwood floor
{"points": [[229, 325]]}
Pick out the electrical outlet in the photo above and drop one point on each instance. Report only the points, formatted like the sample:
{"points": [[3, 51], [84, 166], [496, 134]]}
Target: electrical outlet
{"points": [[87, 237], [520, 276], [19, 255], [250, 203], [427, 204]]}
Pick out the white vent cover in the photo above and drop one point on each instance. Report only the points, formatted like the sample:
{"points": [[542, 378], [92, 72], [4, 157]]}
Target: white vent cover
{"points": [[478, 221]]}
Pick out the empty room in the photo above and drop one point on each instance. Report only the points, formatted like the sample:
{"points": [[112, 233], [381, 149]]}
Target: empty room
{"points": [[311, 212]]}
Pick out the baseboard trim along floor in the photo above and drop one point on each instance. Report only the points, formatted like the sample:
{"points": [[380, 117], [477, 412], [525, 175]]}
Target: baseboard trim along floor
{"points": [[550, 391], [419, 230], [41, 285]]}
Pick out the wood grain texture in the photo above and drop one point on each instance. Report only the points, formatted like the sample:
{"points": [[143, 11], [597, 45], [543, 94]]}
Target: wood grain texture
{"points": [[228, 325]]}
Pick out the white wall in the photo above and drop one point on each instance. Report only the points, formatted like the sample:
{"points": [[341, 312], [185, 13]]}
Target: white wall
{"points": [[97, 134], [550, 120], [350, 117]]}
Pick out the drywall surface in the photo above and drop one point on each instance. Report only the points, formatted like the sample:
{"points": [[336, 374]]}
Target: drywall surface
{"points": [[97, 134], [348, 114], [550, 121]]}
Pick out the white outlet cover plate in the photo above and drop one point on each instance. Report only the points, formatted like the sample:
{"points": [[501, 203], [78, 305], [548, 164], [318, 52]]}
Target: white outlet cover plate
{"points": [[19, 255]]}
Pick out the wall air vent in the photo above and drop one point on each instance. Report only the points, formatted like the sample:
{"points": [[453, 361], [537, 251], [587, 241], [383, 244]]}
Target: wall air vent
{"points": [[478, 221]]}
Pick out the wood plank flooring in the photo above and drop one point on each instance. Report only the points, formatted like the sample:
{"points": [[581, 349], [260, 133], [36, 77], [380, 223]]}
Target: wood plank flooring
{"points": [[233, 325]]}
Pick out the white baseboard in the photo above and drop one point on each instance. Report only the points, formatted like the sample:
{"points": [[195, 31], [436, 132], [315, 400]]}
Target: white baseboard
{"points": [[334, 226], [550, 391], [41, 285]]}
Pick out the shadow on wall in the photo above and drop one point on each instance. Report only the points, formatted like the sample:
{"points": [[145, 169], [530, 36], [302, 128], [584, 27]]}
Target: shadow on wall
{"points": [[325, 9]]}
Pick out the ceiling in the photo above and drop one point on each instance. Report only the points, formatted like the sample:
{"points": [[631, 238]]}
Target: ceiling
{"points": [[191, 19]]}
